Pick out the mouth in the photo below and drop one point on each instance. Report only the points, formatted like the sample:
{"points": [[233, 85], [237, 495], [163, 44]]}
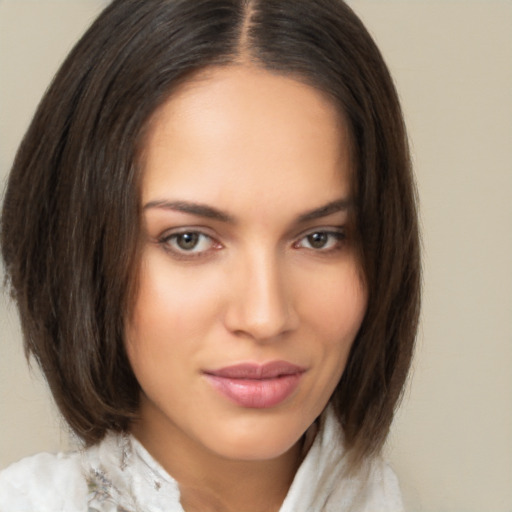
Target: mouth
{"points": [[256, 386]]}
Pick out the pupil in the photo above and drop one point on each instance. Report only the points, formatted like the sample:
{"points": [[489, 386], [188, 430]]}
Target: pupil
{"points": [[188, 241], [317, 240]]}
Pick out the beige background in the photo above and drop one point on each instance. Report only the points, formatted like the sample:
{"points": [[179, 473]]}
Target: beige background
{"points": [[452, 60]]}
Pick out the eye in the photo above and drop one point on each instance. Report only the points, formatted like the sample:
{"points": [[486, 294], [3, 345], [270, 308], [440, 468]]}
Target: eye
{"points": [[188, 243], [321, 240]]}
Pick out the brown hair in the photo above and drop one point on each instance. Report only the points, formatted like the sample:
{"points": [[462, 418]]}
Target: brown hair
{"points": [[71, 215]]}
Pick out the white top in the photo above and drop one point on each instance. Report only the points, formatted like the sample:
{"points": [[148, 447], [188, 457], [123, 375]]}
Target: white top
{"points": [[119, 475]]}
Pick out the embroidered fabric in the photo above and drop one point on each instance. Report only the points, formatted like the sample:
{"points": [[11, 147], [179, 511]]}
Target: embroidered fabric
{"points": [[119, 475]]}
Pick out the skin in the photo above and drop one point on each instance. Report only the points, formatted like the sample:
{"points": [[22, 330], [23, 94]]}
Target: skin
{"points": [[266, 151]]}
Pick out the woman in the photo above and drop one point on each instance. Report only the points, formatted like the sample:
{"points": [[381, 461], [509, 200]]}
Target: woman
{"points": [[210, 233]]}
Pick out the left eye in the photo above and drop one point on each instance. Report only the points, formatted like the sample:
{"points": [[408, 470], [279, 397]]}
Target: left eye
{"points": [[321, 240], [189, 242]]}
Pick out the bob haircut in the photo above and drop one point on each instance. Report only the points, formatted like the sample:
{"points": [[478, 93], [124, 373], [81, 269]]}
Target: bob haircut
{"points": [[71, 218]]}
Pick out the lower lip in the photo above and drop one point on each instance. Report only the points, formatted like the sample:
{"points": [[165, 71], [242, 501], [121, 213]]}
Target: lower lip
{"points": [[256, 394]]}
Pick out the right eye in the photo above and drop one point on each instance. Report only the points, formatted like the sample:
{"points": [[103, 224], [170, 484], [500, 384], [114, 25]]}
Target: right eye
{"points": [[188, 243]]}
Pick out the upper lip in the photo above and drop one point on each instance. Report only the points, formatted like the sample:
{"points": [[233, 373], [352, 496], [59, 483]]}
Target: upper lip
{"points": [[256, 371]]}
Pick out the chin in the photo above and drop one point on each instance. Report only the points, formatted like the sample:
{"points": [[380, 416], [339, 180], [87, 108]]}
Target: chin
{"points": [[252, 442], [255, 449]]}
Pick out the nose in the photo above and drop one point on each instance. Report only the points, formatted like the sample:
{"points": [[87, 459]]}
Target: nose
{"points": [[260, 305]]}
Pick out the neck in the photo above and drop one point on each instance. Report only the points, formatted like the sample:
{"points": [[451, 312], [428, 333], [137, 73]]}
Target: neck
{"points": [[206, 480], [259, 485]]}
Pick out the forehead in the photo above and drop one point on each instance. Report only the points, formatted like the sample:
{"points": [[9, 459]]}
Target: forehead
{"points": [[239, 129]]}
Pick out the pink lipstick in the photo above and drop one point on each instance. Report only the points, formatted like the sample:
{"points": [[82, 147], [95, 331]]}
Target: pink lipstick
{"points": [[256, 386]]}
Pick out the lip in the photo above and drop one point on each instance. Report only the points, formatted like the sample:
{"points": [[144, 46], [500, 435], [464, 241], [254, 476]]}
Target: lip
{"points": [[256, 386]]}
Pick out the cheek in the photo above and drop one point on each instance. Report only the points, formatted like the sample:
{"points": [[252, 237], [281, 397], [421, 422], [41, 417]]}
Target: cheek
{"points": [[173, 299], [336, 304], [333, 310], [338, 313], [172, 314], [349, 307]]}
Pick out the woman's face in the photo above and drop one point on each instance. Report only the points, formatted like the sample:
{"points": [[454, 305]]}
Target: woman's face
{"points": [[250, 292]]}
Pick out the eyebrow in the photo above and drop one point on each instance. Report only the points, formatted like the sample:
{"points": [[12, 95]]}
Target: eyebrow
{"points": [[203, 210], [336, 206]]}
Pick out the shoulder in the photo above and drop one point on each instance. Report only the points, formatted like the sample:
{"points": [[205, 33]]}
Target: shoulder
{"points": [[382, 487], [115, 474], [43, 482], [325, 481], [373, 487]]}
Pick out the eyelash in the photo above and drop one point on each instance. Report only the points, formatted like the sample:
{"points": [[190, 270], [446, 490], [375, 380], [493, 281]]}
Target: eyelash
{"points": [[337, 236], [168, 241]]}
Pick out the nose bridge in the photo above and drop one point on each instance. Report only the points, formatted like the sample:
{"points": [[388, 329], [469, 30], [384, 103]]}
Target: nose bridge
{"points": [[260, 306]]}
